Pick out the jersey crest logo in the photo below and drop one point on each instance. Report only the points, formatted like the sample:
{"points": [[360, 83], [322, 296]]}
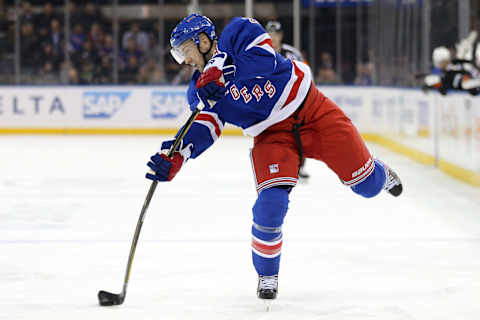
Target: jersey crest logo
{"points": [[273, 168]]}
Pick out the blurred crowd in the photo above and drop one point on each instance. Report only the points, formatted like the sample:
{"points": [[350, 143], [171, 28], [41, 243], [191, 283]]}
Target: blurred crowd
{"points": [[141, 58], [90, 47]]}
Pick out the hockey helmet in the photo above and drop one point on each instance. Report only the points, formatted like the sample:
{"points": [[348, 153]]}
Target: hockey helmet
{"points": [[190, 28], [440, 54], [273, 26]]}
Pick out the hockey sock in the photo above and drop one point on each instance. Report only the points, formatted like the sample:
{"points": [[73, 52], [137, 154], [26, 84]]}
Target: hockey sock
{"points": [[268, 214], [373, 184]]}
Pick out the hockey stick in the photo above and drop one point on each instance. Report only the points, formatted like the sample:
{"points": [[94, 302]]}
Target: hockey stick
{"points": [[106, 298]]}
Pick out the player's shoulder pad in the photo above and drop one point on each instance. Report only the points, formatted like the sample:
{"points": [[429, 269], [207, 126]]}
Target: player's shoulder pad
{"points": [[238, 23], [239, 33]]}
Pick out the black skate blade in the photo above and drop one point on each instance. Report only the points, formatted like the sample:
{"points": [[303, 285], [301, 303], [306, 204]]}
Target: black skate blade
{"points": [[396, 191], [106, 299]]}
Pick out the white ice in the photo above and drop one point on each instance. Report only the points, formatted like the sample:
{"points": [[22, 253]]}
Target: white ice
{"points": [[69, 206]]}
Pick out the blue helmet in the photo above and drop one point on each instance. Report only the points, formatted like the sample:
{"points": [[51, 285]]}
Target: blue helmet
{"points": [[190, 28]]}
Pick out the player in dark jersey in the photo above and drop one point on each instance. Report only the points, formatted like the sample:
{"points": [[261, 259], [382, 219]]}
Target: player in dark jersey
{"points": [[451, 74]]}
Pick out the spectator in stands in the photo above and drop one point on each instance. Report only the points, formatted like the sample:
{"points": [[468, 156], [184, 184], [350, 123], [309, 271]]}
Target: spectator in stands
{"points": [[51, 57], [139, 37], [326, 61], [3, 33], [326, 74], [68, 74], [76, 15], [28, 48], [73, 76], [104, 72], [91, 15], [44, 19], [56, 36], [77, 38], [151, 73], [47, 75], [86, 75], [158, 77], [27, 15], [364, 75], [129, 74], [96, 36], [107, 47], [86, 55], [129, 51]]}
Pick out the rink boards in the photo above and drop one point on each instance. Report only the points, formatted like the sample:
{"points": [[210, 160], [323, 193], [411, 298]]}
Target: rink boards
{"points": [[439, 130]]}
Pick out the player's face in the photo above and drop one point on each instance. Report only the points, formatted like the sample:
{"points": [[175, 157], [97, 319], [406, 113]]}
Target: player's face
{"points": [[192, 55], [443, 64]]}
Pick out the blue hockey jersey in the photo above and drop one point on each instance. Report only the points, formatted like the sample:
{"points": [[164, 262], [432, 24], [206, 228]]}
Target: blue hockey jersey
{"points": [[265, 88]]}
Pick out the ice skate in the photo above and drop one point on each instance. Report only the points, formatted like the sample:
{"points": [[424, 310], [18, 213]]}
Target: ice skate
{"points": [[267, 287], [393, 183]]}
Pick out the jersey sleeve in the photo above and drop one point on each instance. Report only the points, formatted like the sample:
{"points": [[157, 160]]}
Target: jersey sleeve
{"points": [[208, 126], [205, 130], [250, 47], [192, 97]]}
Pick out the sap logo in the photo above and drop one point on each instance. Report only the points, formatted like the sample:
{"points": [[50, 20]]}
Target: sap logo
{"points": [[103, 104], [168, 105]]}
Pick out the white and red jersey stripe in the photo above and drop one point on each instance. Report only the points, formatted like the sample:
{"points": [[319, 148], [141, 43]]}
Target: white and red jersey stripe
{"points": [[262, 41], [267, 249], [212, 122], [361, 174], [282, 181], [292, 96]]}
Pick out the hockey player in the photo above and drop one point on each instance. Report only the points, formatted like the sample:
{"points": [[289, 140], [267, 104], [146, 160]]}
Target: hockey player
{"points": [[267, 96], [451, 74], [275, 31]]}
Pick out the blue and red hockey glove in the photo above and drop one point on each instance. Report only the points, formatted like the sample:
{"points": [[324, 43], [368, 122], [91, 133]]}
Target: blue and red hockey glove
{"points": [[210, 86], [164, 168]]}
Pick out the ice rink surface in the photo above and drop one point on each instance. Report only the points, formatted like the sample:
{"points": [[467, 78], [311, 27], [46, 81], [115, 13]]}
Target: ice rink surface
{"points": [[69, 206]]}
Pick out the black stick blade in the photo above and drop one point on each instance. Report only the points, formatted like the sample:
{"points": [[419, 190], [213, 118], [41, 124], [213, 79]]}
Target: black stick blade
{"points": [[109, 299]]}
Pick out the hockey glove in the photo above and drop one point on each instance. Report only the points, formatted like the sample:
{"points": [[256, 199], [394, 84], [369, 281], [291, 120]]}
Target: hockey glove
{"points": [[164, 168], [210, 87]]}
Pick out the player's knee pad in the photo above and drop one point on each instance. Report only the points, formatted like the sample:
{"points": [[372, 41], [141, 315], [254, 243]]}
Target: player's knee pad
{"points": [[271, 207], [374, 183]]}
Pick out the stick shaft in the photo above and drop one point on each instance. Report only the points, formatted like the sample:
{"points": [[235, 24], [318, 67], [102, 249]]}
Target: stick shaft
{"points": [[149, 196]]}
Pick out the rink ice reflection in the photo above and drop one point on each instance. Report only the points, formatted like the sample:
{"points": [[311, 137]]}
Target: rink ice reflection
{"points": [[69, 205]]}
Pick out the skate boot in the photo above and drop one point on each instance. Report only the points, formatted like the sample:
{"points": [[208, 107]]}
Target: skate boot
{"points": [[267, 287], [393, 184]]}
